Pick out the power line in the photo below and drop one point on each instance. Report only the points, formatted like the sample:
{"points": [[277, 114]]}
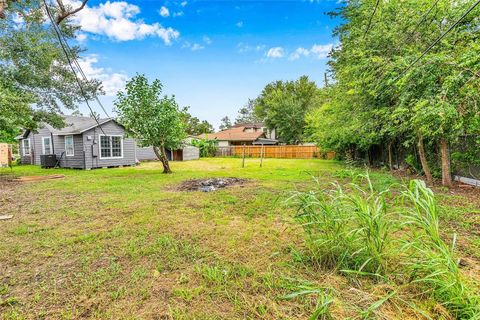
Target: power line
{"points": [[407, 36], [371, 18], [430, 47], [57, 32], [78, 66]]}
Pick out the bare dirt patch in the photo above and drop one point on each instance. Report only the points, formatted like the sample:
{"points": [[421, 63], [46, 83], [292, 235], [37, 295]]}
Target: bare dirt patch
{"points": [[210, 184]]}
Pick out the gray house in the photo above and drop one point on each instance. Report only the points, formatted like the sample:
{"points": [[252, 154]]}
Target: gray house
{"points": [[81, 144]]}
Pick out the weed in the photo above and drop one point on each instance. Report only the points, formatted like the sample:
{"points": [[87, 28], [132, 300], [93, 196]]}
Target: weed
{"points": [[432, 262]]}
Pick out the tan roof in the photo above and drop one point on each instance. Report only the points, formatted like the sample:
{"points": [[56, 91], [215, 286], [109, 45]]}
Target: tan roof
{"points": [[233, 134]]}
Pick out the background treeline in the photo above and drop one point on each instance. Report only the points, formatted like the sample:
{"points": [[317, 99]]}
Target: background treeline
{"points": [[388, 100], [384, 106]]}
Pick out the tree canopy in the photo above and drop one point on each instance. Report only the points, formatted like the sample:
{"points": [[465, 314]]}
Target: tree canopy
{"points": [[196, 127], [36, 81], [389, 89], [153, 119], [283, 106]]}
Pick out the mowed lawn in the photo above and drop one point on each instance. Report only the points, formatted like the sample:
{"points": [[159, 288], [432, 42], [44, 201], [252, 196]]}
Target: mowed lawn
{"points": [[125, 243]]}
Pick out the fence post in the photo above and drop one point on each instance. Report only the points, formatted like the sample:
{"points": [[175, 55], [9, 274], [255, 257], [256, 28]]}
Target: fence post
{"points": [[261, 156], [243, 156]]}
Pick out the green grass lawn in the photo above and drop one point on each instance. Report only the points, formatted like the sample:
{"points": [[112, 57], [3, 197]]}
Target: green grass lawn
{"points": [[124, 243]]}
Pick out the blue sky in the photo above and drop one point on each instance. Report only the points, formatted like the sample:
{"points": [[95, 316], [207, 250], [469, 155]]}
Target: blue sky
{"points": [[212, 55]]}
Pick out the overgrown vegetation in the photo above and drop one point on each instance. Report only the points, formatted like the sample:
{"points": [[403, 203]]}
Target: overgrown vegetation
{"points": [[380, 98], [357, 233]]}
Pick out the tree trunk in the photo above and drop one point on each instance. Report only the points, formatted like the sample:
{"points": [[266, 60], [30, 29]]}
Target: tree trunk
{"points": [[390, 159], [446, 174], [160, 153], [423, 160]]}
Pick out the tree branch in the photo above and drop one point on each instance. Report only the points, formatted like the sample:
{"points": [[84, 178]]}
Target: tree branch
{"points": [[64, 13]]}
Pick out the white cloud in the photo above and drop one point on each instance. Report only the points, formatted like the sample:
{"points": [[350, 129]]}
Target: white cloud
{"points": [[116, 20], [111, 81], [321, 51], [207, 40], [164, 12], [318, 51], [275, 52], [243, 47], [183, 3], [239, 24], [178, 14], [196, 47], [299, 53], [81, 37]]}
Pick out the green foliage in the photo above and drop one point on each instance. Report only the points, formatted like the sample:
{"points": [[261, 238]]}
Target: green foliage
{"points": [[35, 78], [283, 106], [246, 114], [432, 263], [354, 231], [196, 127], [350, 231], [154, 120], [207, 147], [225, 123], [435, 99]]}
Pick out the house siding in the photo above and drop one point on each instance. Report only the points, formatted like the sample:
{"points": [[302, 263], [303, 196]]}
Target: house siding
{"points": [[78, 159], [35, 146], [191, 153], [145, 154], [91, 140]]}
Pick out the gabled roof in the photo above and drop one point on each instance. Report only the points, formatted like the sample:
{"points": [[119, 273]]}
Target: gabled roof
{"points": [[234, 134], [73, 125], [77, 125]]}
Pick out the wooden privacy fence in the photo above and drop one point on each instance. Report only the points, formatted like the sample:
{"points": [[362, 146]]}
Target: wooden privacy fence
{"points": [[287, 151]]}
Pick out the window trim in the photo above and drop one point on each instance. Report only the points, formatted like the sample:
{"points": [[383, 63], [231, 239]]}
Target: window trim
{"points": [[73, 145], [43, 145], [29, 147], [111, 148]]}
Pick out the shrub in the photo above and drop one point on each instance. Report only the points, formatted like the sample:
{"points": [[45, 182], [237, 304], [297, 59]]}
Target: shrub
{"points": [[208, 148]]}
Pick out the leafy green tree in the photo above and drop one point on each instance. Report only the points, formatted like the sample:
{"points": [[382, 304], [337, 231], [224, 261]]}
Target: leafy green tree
{"points": [[36, 79], [246, 114], [196, 127], [284, 105], [152, 119], [379, 98], [225, 123]]}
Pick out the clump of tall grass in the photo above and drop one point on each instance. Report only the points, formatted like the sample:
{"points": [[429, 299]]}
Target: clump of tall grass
{"points": [[432, 262], [346, 230]]}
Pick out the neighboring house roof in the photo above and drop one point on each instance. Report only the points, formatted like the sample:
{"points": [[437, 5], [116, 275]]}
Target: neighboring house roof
{"points": [[234, 134], [74, 125]]}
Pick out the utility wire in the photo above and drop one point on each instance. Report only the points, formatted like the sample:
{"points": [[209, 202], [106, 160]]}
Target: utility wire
{"points": [[371, 18], [79, 68], [57, 32], [77, 64], [430, 47], [408, 36]]}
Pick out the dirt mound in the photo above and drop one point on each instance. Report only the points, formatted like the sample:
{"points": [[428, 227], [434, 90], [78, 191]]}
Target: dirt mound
{"points": [[210, 184]]}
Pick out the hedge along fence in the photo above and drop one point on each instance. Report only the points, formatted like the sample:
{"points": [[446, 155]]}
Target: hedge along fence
{"points": [[284, 152]]}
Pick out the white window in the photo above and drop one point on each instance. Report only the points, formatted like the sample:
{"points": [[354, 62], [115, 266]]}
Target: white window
{"points": [[111, 147], [26, 147], [47, 145], [69, 146]]}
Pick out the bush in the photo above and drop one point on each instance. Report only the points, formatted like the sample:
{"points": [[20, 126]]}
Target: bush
{"points": [[208, 148]]}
